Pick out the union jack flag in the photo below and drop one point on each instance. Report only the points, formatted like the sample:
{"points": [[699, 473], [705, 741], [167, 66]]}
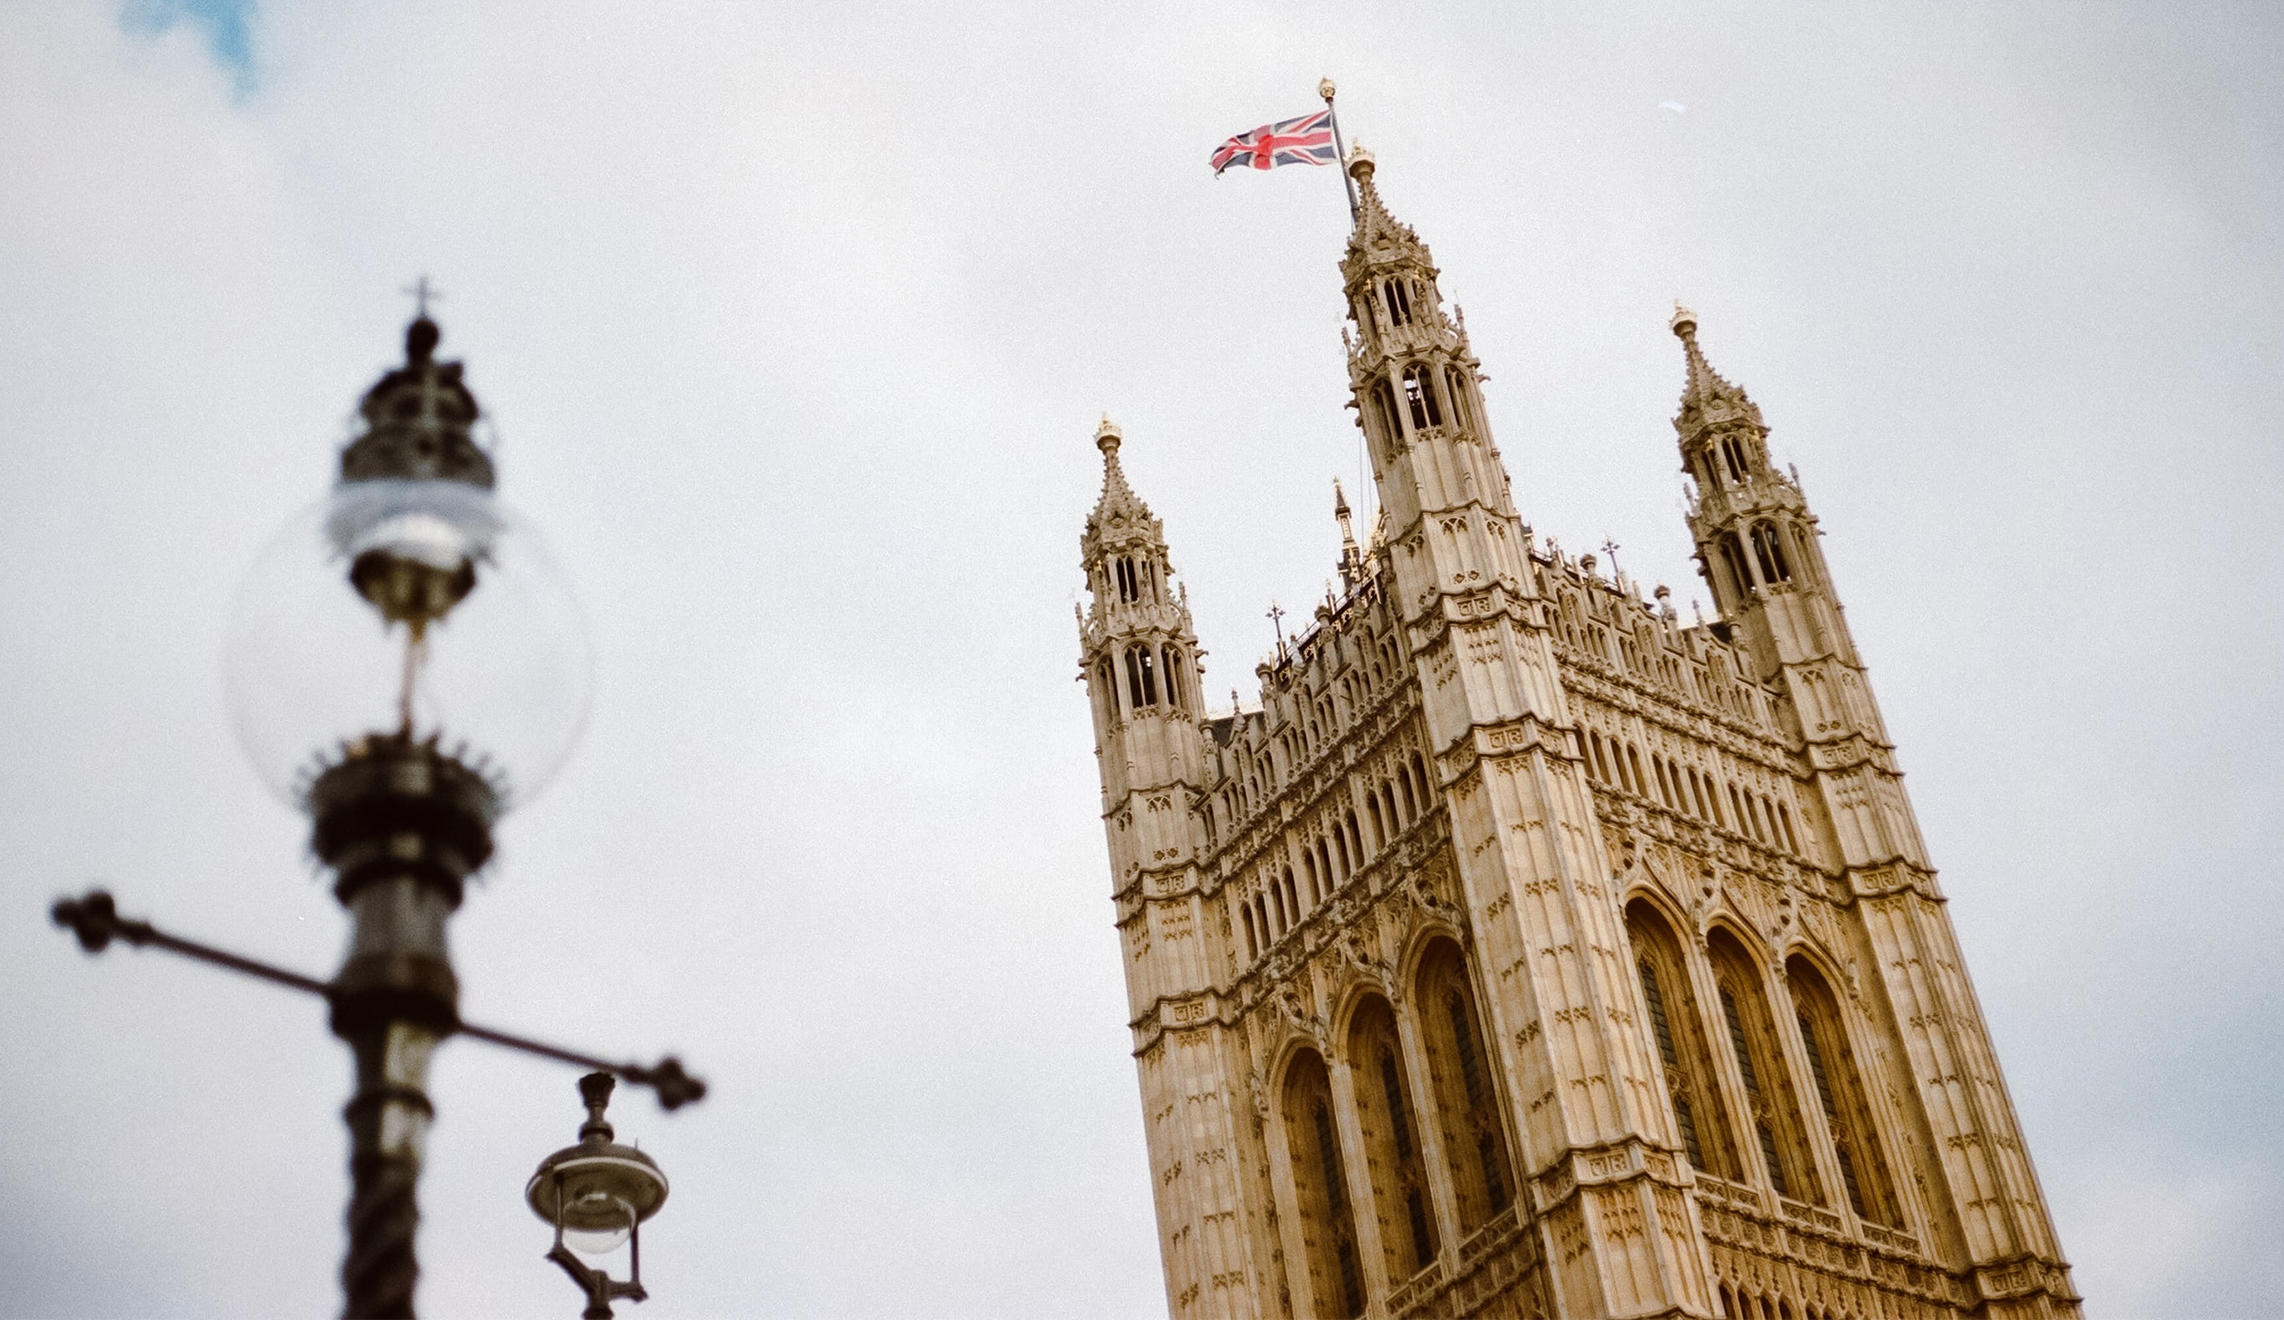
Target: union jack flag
{"points": [[1303, 141]]}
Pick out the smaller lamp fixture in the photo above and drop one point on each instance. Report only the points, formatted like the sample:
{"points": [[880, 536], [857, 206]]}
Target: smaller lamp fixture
{"points": [[597, 1194]]}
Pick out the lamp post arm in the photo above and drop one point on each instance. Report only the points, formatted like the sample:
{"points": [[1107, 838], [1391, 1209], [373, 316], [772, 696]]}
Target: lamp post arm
{"points": [[600, 1287], [96, 921]]}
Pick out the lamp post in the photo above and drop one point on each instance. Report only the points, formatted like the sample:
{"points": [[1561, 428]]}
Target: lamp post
{"points": [[405, 664], [597, 1195]]}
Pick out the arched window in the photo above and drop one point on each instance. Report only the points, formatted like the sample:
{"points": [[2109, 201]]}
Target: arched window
{"points": [[1141, 677], [1768, 551], [1419, 768], [1340, 854], [1455, 387], [1677, 1031], [1388, 800], [1317, 884], [1385, 399], [1399, 302], [1261, 910], [1176, 689], [1733, 557], [1784, 818], [1807, 559], [1293, 897], [1320, 1184], [1733, 454], [1419, 397], [1106, 682], [1634, 763], [1355, 842], [1285, 915], [1129, 585], [1392, 1151], [1840, 1089], [1772, 1108], [1252, 938], [1372, 813], [1466, 1101], [1411, 804]]}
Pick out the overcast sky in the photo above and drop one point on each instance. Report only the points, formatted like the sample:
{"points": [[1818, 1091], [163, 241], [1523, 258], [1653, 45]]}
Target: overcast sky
{"points": [[795, 323]]}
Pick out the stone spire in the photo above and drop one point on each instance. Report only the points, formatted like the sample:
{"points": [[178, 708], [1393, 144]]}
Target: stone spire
{"points": [[1351, 558], [1706, 397], [1375, 226], [1118, 506]]}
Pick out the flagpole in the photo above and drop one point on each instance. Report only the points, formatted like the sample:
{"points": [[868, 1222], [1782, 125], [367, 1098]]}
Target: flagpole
{"points": [[1325, 89]]}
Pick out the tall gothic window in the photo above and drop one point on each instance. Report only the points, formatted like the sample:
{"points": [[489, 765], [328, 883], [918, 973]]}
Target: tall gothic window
{"points": [[1392, 1151], [1677, 1031], [1252, 937], [1129, 582], [1141, 677], [1768, 550], [1771, 1106], [1807, 560], [1175, 688], [1466, 1098], [1419, 396], [1399, 301], [1733, 454], [1733, 559], [1840, 1090], [1320, 1184], [1385, 400], [1455, 386]]}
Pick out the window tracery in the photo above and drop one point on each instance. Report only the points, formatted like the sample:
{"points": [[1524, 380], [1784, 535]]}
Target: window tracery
{"points": [[1392, 1151], [1320, 1184], [1772, 1108], [1467, 1111]]}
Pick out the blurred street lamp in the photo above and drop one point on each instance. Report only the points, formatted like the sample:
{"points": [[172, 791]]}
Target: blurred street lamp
{"points": [[597, 1195], [405, 663]]}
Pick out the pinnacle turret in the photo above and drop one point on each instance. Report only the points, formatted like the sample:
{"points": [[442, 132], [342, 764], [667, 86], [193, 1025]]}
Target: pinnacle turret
{"points": [[1118, 507], [1706, 396], [1351, 558]]}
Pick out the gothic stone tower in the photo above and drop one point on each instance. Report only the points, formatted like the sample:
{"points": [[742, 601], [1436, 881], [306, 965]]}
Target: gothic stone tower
{"points": [[1527, 952]]}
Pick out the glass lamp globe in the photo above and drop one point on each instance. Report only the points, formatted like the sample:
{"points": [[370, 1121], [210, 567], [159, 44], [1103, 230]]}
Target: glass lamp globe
{"points": [[610, 1217], [409, 609]]}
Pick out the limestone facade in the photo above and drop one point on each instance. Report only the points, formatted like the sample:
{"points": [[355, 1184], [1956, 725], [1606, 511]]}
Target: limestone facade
{"points": [[1530, 952]]}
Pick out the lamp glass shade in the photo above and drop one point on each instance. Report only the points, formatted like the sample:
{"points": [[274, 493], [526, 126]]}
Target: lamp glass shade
{"points": [[597, 1223], [408, 607]]}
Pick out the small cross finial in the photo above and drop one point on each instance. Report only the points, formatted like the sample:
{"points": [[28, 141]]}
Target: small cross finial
{"points": [[420, 294], [1610, 548], [1277, 619]]}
